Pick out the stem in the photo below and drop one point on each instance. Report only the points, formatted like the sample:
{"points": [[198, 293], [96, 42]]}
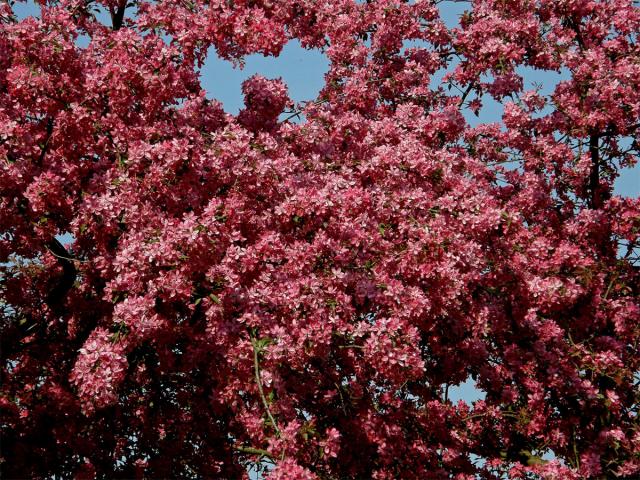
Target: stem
{"points": [[297, 113], [466, 94], [471, 417], [254, 451], [45, 145], [575, 449], [613, 279], [62, 257], [594, 178], [344, 408], [256, 369]]}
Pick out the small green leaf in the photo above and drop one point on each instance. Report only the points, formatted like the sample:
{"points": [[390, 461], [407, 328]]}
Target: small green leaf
{"points": [[261, 343], [332, 303]]}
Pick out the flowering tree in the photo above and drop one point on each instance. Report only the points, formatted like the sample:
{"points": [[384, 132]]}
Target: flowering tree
{"points": [[252, 290]]}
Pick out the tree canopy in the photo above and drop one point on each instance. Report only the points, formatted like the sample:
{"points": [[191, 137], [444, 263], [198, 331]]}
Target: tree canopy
{"points": [[298, 286]]}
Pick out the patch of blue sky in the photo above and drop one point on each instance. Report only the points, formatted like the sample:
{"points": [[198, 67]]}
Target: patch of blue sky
{"points": [[466, 391], [302, 70]]}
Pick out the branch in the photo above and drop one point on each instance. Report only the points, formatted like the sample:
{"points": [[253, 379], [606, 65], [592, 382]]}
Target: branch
{"points": [[466, 94], [595, 200], [117, 15], [45, 145], [62, 257], [256, 369], [65, 282], [254, 451]]}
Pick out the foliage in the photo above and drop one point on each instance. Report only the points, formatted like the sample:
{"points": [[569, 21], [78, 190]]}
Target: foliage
{"points": [[247, 289]]}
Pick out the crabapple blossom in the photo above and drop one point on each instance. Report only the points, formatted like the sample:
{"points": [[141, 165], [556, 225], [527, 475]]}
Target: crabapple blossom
{"points": [[253, 291]]}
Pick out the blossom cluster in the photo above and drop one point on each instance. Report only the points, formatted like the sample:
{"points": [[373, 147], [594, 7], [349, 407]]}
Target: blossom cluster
{"points": [[239, 290]]}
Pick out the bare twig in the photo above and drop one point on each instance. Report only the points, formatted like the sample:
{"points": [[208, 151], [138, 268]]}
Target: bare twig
{"points": [[466, 94], [254, 451], [256, 369], [62, 257]]}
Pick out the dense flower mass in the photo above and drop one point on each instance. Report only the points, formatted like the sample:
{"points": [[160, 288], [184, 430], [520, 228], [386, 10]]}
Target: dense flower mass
{"points": [[253, 292], [98, 371]]}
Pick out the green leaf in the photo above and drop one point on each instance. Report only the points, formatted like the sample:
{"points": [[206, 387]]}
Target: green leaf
{"points": [[261, 343]]}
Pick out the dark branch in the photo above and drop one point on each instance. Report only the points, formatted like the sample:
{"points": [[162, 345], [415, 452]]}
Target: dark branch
{"points": [[15, 327], [57, 294], [597, 194], [45, 145], [117, 15]]}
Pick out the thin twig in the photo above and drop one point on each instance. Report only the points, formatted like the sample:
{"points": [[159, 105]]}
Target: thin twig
{"points": [[466, 94], [344, 408], [254, 451], [62, 257], [575, 449], [256, 369], [610, 286]]}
